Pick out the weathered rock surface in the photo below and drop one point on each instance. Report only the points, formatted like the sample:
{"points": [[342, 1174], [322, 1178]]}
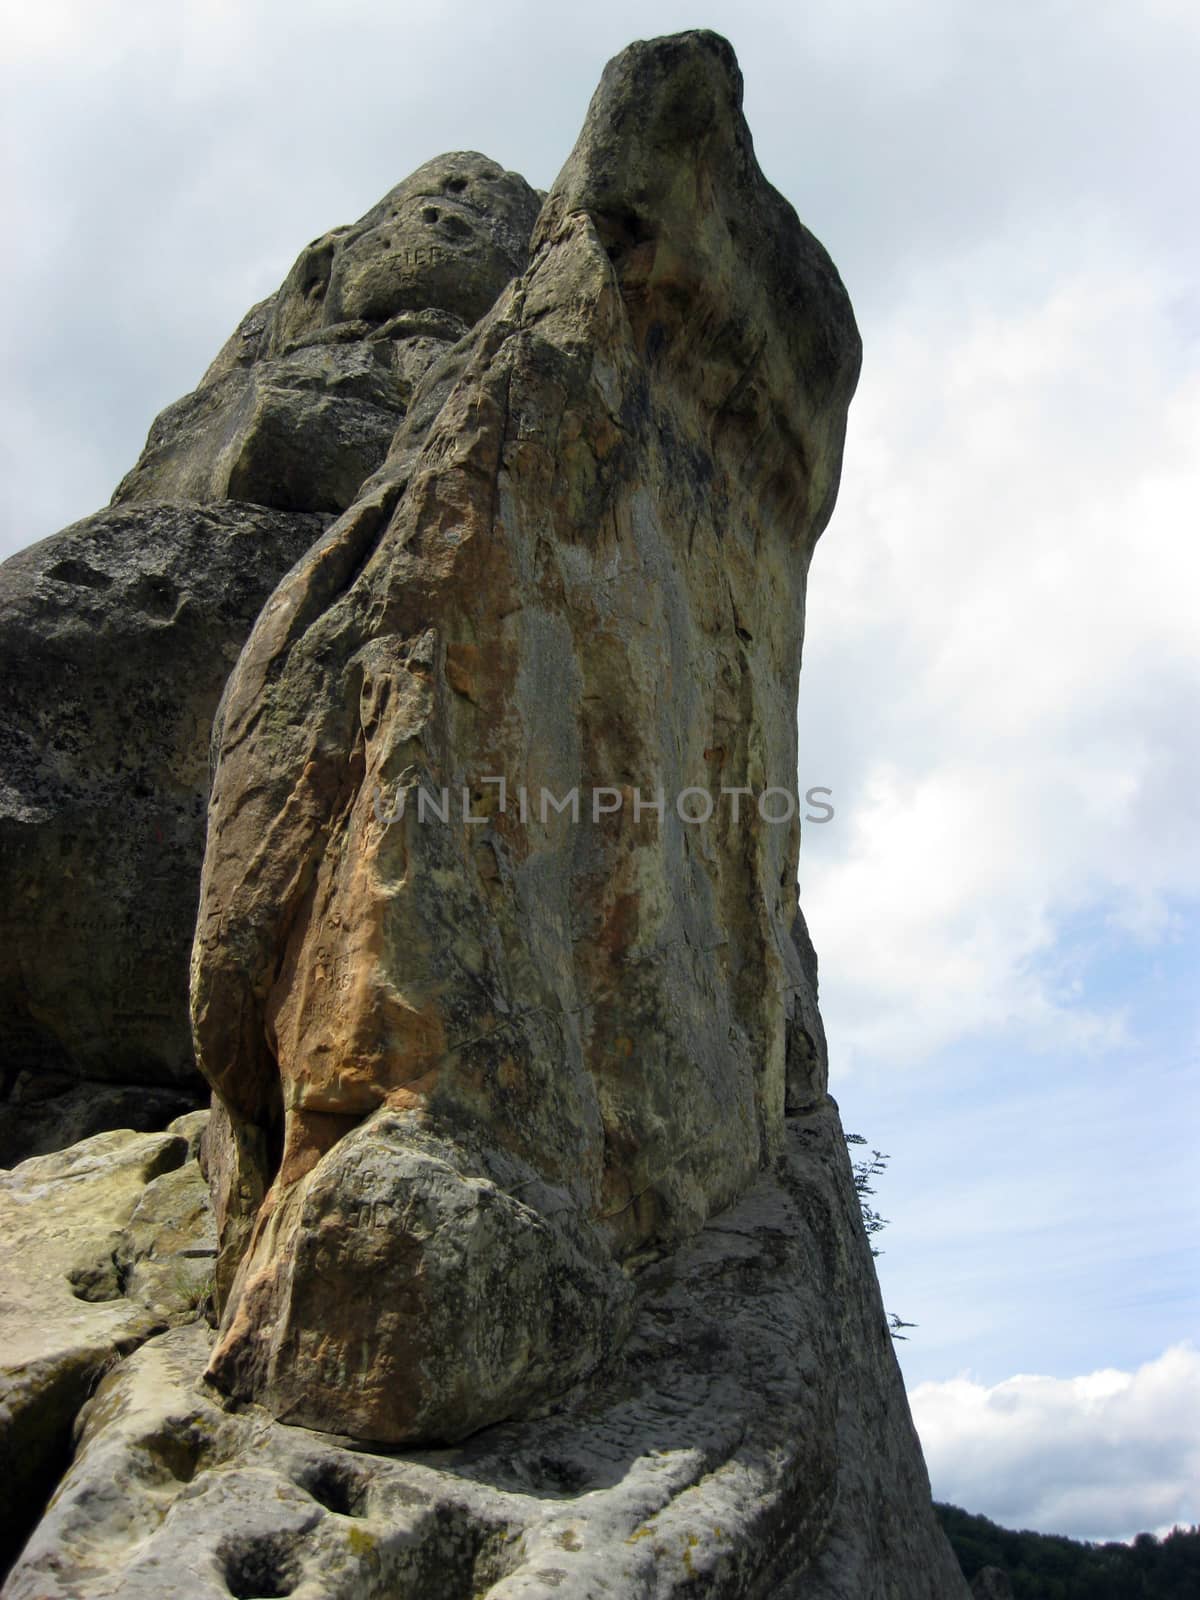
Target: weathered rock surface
{"points": [[117, 635], [301, 404], [104, 1245], [581, 568], [718, 1456], [529, 1192]]}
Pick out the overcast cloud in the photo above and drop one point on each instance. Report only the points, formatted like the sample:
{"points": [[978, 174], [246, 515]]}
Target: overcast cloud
{"points": [[1003, 661], [1108, 1455]]}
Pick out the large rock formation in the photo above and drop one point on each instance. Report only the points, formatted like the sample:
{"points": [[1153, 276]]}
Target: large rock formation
{"points": [[541, 1264], [477, 1071], [301, 404], [117, 636]]}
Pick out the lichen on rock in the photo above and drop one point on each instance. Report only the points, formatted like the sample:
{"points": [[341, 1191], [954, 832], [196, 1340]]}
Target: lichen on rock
{"points": [[105, 1244]]}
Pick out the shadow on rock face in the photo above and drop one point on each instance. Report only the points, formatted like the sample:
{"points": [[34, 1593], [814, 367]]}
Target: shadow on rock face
{"points": [[116, 637]]}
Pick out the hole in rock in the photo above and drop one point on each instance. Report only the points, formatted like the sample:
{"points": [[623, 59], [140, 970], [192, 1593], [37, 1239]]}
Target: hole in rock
{"points": [[335, 1485], [156, 594], [430, 214], [96, 1281], [456, 185], [260, 1569], [553, 1474], [179, 1447], [78, 572]]}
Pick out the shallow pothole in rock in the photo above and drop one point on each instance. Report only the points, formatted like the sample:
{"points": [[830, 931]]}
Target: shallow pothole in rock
{"points": [[335, 1485], [260, 1568], [96, 1281]]}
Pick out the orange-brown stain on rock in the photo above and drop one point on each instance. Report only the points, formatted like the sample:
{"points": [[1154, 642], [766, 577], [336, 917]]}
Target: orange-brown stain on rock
{"points": [[620, 925], [308, 1135], [462, 669]]}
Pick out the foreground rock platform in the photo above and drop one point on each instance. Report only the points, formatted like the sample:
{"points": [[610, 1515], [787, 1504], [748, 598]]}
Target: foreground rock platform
{"points": [[105, 1244], [752, 1442]]}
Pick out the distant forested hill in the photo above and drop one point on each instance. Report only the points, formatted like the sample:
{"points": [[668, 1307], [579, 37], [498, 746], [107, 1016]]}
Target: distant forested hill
{"points": [[1042, 1566]]}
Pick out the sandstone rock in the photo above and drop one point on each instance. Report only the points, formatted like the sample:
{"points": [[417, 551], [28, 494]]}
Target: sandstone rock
{"points": [[464, 1268], [582, 567], [74, 1295], [301, 405], [718, 1455], [116, 638], [528, 1189]]}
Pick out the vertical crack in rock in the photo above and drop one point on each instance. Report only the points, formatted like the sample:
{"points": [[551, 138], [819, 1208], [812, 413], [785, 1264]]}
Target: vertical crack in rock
{"points": [[517, 1057]]}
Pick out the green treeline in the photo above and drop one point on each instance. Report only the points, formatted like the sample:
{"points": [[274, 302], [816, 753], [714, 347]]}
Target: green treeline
{"points": [[1043, 1566]]}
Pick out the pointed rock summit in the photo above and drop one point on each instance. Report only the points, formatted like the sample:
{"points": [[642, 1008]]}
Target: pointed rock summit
{"points": [[540, 1265]]}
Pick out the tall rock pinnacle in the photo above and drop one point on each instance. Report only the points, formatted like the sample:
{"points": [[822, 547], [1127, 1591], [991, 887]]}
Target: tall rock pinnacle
{"points": [[481, 1069]]}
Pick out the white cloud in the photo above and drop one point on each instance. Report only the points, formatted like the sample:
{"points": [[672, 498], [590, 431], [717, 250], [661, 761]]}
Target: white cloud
{"points": [[1104, 1456], [1003, 649]]}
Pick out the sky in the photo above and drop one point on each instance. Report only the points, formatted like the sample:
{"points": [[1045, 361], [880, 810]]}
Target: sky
{"points": [[1002, 667]]}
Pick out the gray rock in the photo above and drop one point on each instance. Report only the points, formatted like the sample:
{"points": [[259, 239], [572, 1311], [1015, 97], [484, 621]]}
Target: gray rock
{"points": [[751, 1442], [301, 405], [116, 637], [74, 1295]]}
